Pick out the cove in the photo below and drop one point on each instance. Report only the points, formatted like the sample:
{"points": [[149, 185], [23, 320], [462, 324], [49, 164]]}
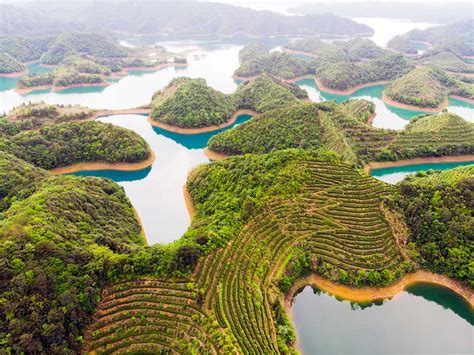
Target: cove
{"points": [[387, 116], [157, 191], [396, 174], [424, 318]]}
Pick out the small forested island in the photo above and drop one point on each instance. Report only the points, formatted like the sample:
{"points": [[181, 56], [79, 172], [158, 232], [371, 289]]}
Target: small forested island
{"points": [[190, 105], [455, 37], [426, 88], [352, 50], [79, 59], [340, 128], [346, 77], [255, 59], [9, 65], [50, 137]]}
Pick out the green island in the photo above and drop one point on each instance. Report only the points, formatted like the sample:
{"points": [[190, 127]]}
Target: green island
{"points": [[455, 37], [345, 75], [447, 61], [352, 50], [79, 59], [9, 65], [427, 87], [339, 128], [255, 59], [191, 104]]}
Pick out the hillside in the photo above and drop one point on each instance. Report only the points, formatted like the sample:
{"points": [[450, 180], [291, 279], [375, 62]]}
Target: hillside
{"points": [[353, 50], [191, 103], [171, 17], [255, 59], [266, 93], [25, 49], [286, 214], [57, 249], [438, 209], [427, 87], [67, 143], [456, 37], [340, 129], [9, 65], [345, 75], [447, 60]]}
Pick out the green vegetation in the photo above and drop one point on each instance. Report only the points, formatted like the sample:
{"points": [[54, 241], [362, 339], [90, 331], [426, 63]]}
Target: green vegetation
{"points": [[345, 75], [36, 115], [438, 211], [427, 87], [72, 142], [266, 93], [256, 59], [341, 129], [190, 103], [25, 49], [455, 37], [447, 60], [93, 44], [339, 51], [9, 65]]}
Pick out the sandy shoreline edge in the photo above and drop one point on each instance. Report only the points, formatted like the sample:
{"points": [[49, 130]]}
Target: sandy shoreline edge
{"points": [[368, 294], [351, 90], [104, 165], [415, 161], [397, 104], [180, 130]]}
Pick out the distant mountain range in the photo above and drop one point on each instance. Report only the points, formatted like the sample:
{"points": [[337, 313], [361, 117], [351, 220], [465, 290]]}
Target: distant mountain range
{"points": [[168, 18]]}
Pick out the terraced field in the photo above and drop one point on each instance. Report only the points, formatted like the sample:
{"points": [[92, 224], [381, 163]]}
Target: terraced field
{"points": [[231, 302]]}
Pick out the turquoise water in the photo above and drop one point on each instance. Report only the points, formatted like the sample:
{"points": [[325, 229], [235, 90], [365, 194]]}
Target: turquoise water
{"points": [[424, 319], [10, 83], [398, 173], [387, 116], [157, 192]]}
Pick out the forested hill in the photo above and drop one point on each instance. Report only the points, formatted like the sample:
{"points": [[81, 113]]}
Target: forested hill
{"points": [[339, 128], [170, 17]]}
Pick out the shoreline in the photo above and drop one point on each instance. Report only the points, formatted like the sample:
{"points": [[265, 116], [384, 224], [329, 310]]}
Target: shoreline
{"points": [[156, 67], [370, 294], [349, 91], [103, 165], [180, 130], [300, 78], [415, 161], [464, 99], [245, 78], [371, 118], [188, 202], [53, 88], [214, 156], [14, 75], [393, 103]]}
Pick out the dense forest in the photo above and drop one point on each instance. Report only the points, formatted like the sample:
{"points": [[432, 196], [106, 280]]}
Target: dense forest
{"points": [[191, 103], [351, 50], [438, 209], [427, 87], [456, 37], [173, 17], [345, 75], [9, 65], [339, 128], [448, 61], [256, 59]]}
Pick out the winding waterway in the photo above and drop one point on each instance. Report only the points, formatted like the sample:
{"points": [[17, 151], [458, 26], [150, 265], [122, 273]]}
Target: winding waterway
{"points": [[423, 319]]}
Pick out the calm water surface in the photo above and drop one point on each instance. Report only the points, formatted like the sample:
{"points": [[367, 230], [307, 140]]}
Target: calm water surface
{"points": [[424, 319], [157, 192]]}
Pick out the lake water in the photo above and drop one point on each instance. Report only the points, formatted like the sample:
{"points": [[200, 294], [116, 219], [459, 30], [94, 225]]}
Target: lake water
{"points": [[157, 192], [424, 319]]}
